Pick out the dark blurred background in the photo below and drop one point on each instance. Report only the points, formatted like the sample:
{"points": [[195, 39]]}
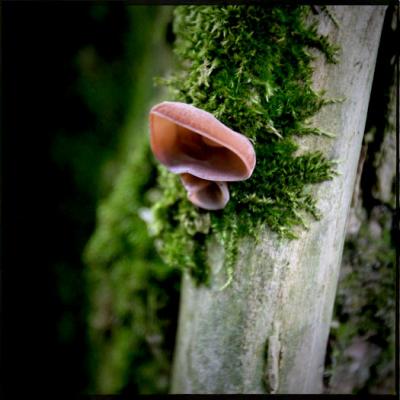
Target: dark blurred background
{"points": [[73, 74], [77, 84]]}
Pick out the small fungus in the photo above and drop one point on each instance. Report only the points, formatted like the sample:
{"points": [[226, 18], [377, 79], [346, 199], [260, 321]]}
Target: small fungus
{"points": [[205, 152], [210, 195]]}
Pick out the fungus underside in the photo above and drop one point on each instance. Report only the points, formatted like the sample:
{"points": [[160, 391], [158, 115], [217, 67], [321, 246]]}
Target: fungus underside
{"points": [[249, 66]]}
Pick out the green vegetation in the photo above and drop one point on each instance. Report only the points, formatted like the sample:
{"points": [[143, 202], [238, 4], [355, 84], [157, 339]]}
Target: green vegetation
{"points": [[365, 311], [250, 67], [133, 294]]}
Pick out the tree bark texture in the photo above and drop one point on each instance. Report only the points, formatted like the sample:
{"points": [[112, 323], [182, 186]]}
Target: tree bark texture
{"points": [[361, 357], [267, 331]]}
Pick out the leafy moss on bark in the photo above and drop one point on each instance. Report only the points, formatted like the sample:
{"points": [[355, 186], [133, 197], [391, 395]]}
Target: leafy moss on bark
{"points": [[260, 86], [133, 294], [249, 66]]}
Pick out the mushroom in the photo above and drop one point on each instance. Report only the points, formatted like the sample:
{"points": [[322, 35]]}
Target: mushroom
{"points": [[205, 152], [210, 195]]}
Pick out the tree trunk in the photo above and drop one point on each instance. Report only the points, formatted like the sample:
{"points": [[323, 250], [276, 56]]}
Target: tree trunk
{"points": [[267, 331], [362, 356]]}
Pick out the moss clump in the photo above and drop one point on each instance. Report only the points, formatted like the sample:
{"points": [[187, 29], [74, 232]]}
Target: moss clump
{"points": [[133, 295], [250, 67], [131, 324]]}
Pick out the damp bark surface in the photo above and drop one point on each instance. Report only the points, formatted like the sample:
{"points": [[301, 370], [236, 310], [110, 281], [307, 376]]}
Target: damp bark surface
{"points": [[267, 331]]}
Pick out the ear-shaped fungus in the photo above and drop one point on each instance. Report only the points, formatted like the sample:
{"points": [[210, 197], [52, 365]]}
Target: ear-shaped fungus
{"points": [[192, 142], [210, 195]]}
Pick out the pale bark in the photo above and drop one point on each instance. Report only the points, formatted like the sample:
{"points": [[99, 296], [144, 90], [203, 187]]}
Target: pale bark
{"points": [[359, 361], [267, 331]]}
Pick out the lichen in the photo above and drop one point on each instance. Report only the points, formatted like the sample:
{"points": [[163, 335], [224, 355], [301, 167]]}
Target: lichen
{"points": [[250, 66]]}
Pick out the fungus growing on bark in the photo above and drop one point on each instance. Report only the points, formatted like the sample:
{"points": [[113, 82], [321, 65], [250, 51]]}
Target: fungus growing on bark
{"points": [[205, 152], [210, 195]]}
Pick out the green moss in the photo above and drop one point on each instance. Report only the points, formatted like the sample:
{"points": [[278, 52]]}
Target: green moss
{"points": [[250, 67], [365, 309], [133, 294]]}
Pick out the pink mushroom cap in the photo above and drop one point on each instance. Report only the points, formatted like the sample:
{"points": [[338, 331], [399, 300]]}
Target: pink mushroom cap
{"points": [[189, 140]]}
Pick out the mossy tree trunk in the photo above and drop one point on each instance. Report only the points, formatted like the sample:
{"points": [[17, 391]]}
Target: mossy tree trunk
{"points": [[267, 331], [361, 351]]}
